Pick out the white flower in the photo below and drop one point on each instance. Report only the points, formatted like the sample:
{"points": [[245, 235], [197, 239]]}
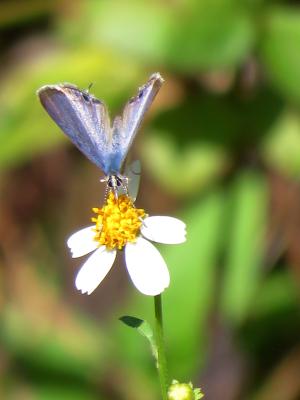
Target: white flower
{"points": [[146, 267]]}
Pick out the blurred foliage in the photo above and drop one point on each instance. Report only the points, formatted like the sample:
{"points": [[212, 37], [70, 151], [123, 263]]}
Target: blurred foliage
{"points": [[221, 150]]}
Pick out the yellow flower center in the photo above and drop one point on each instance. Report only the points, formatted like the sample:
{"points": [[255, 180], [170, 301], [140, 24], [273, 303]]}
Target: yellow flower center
{"points": [[117, 222]]}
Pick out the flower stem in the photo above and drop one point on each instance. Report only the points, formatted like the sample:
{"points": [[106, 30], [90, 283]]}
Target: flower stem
{"points": [[161, 352]]}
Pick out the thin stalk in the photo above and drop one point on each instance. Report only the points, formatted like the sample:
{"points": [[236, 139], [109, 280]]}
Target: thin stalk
{"points": [[161, 351]]}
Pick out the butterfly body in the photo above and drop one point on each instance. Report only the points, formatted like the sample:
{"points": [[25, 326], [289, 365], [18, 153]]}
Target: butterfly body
{"points": [[85, 120]]}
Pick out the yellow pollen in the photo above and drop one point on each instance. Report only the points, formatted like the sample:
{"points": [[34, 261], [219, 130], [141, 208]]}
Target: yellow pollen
{"points": [[117, 222]]}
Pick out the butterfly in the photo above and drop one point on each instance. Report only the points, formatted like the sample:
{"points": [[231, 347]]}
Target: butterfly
{"points": [[85, 120]]}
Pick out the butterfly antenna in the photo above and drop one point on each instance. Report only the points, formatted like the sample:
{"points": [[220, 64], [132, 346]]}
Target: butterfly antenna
{"points": [[89, 87]]}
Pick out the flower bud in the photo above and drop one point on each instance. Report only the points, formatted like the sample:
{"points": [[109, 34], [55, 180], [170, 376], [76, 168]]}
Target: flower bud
{"points": [[183, 391]]}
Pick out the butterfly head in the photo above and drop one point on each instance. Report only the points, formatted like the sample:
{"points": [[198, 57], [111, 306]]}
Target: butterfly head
{"points": [[116, 183]]}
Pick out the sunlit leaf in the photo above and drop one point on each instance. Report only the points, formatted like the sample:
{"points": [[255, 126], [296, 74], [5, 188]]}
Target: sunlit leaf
{"points": [[245, 233], [207, 43], [128, 26], [187, 150], [190, 296], [280, 49], [281, 147]]}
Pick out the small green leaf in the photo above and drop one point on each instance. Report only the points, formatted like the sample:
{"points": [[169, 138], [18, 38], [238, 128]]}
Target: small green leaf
{"points": [[144, 328], [132, 322]]}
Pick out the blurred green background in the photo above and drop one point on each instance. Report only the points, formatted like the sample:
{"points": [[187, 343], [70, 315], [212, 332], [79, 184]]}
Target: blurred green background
{"points": [[220, 149]]}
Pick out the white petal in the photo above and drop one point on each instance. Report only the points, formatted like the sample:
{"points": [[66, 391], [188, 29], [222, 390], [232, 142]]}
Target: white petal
{"points": [[167, 230], [147, 269], [82, 242], [95, 269]]}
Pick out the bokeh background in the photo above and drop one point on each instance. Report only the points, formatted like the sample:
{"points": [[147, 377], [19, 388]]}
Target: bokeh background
{"points": [[220, 148]]}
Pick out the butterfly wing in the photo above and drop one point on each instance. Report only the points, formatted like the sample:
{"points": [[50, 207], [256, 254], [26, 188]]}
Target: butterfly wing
{"points": [[82, 117], [133, 173], [125, 128]]}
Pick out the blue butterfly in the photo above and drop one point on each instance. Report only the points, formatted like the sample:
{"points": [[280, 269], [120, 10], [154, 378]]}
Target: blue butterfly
{"points": [[85, 120]]}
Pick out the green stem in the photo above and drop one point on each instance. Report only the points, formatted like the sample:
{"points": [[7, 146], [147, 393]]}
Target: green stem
{"points": [[161, 352]]}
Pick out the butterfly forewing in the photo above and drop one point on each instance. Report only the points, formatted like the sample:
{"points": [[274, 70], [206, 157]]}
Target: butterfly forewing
{"points": [[82, 117], [125, 128]]}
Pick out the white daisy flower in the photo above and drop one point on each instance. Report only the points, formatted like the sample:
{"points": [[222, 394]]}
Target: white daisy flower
{"points": [[119, 225]]}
